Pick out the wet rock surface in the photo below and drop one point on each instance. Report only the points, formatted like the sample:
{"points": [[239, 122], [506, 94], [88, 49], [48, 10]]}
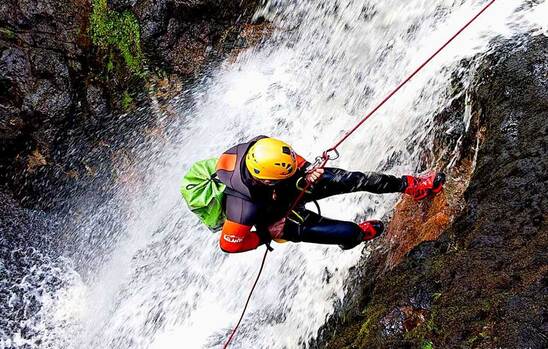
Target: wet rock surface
{"points": [[481, 282], [69, 68], [182, 35]]}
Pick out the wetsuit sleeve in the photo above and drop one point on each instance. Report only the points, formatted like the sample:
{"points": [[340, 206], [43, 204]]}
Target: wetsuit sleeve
{"points": [[236, 235]]}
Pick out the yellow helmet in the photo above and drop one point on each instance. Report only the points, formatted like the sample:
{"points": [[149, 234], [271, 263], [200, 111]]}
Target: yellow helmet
{"points": [[270, 158]]}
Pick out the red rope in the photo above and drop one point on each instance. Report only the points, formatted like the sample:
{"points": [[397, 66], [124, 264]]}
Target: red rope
{"points": [[247, 302], [322, 161], [409, 78]]}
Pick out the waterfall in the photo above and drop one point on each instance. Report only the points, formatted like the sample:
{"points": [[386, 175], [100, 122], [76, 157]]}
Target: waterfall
{"points": [[160, 280]]}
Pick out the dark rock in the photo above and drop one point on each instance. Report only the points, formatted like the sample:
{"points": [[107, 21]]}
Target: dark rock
{"points": [[484, 282], [38, 7], [47, 99], [153, 17], [189, 32], [422, 252], [96, 100], [121, 5], [15, 69], [11, 125], [58, 86], [421, 297], [50, 65], [401, 320], [392, 324], [37, 88]]}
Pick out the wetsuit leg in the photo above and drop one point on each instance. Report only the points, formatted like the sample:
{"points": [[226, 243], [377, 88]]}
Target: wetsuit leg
{"points": [[338, 181], [317, 229]]}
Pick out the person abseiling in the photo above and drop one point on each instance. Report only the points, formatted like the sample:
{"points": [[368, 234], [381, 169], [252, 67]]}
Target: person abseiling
{"points": [[265, 175]]}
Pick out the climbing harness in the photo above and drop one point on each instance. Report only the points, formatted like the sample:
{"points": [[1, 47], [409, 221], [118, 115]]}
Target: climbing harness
{"points": [[332, 153]]}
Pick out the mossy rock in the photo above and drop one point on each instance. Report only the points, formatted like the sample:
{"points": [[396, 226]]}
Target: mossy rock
{"points": [[370, 327], [117, 30], [127, 100], [427, 345], [7, 33]]}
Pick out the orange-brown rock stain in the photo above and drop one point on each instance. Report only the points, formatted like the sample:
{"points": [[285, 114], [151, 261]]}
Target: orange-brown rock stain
{"points": [[416, 221], [252, 35]]}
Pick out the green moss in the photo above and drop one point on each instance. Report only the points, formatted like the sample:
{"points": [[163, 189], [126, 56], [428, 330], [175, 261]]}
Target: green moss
{"points": [[127, 100], [421, 333], [110, 63], [486, 305], [471, 341], [427, 345], [437, 265], [484, 334], [7, 33], [373, 315], [111, 29]]}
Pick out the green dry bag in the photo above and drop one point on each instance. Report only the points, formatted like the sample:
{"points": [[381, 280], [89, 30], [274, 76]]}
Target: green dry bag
{"points": [[203, 193]]}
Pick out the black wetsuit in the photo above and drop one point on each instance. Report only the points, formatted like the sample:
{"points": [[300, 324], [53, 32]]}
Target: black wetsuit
{"points": [[249, 203], [308, 226]]}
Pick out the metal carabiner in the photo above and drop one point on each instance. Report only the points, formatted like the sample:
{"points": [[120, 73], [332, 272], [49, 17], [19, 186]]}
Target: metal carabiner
{"points": [[327, 155], [320, 161]]}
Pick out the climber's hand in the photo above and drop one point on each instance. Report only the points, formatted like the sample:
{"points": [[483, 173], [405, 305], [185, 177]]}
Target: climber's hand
{"points": [[276, 229], [314, 175]]}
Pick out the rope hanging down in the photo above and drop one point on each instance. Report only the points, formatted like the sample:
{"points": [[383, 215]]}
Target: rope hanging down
{"points": [[332, 152]]}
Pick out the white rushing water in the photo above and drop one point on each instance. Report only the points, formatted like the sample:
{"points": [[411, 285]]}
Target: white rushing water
{"points": [[165, 283]]}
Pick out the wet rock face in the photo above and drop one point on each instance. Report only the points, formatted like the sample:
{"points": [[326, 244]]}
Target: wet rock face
{"points": [[401, 320], [64, 70], [482, 283], [120, 5], [182, 35], [39, 41]]}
